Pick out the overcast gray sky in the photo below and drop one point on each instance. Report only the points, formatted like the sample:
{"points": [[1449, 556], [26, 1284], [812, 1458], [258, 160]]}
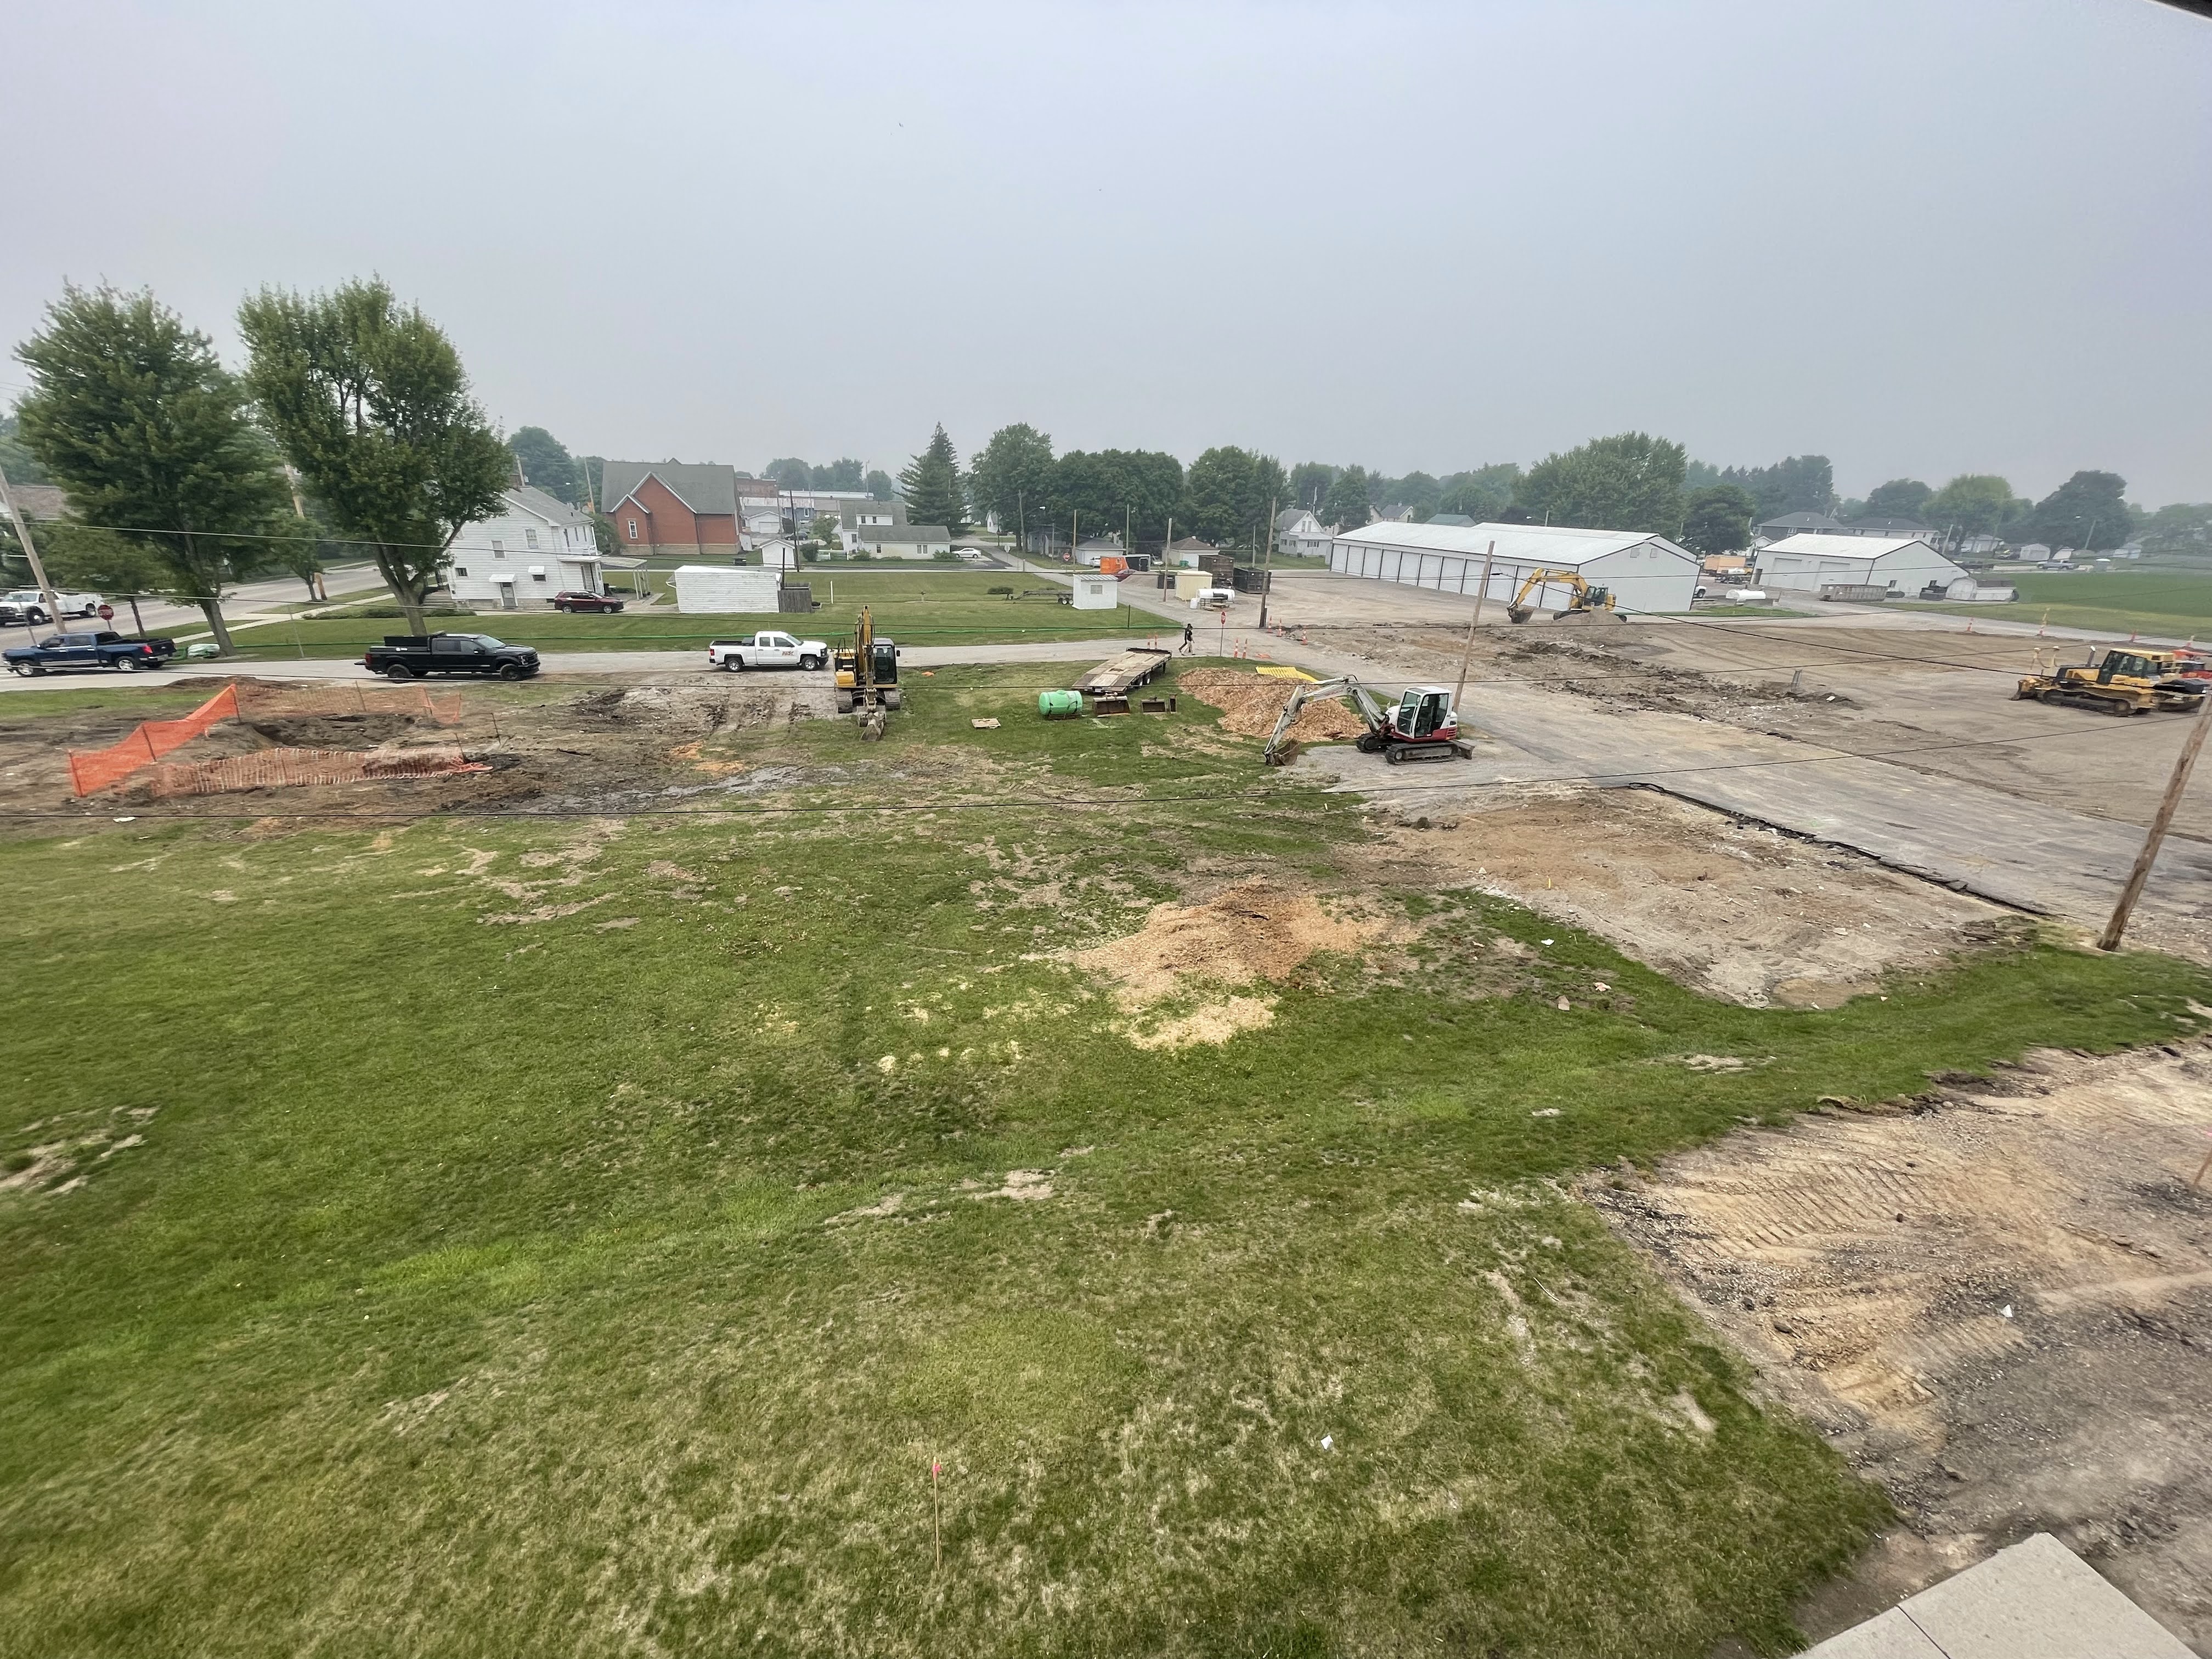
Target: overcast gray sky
{"points": [[1919, 236]]}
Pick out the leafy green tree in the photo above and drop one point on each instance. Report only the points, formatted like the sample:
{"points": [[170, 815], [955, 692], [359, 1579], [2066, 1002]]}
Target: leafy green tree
{"points": [[2182, 530], [1717, 519], [1699, 474], [791, 473], [1227, 494], [1309, 485], [1901, 498], [1482, 495], [1012, 478], [2088, 511], [1629, 482], [1110, 489], [843, 473], [1417, 490], [1348, 504], [132, 415], [547, 464], [931, 485], [1803, 484], [17, 462], [879, 484], [369, 399], [78, 555], [1972, 504]]}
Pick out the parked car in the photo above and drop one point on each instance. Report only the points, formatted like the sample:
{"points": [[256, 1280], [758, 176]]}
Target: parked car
{"points": [[770, 648], [102, 650], [404, 657], [33, 604], [581, 603]]}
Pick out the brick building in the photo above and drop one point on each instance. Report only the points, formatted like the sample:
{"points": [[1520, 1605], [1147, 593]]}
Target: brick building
{"points": [[690, 509]]}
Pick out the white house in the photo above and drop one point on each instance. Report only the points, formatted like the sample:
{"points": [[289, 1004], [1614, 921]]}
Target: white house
{"points": [[856, 517], [899, 541], [1807, 563], [1191, 553], [535, 547], [1300, 534], [1097, 548], [726, 590], [1645, 572], [1097, 592]]}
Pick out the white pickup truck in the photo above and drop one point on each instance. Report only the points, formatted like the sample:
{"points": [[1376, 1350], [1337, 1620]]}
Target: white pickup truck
{"points": [[770, 649], [28, 602]]}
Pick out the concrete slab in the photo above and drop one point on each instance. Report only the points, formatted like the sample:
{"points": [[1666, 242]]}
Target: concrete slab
{"points": [[2035, 1601]]}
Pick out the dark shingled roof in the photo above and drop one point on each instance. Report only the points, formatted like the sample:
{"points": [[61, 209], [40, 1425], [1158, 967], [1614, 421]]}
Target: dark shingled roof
{"points": [[702, 486]]}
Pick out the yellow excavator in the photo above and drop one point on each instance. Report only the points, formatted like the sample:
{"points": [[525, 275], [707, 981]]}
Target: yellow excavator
{"points": [[867, 677], [2126, 680], [1582, 595]]}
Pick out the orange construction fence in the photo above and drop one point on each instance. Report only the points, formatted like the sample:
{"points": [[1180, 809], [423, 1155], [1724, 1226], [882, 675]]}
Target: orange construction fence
{"points": [[148, 741], [272, 768], [151, 739]]}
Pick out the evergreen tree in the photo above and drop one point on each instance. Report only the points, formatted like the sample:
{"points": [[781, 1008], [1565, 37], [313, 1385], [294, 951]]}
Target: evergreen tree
{"points": [[931, 486], [134, 416]]}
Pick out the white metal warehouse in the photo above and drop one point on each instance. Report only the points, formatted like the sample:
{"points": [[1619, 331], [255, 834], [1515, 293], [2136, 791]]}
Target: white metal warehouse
{"points": [[1645, 573], [1806, 564]]}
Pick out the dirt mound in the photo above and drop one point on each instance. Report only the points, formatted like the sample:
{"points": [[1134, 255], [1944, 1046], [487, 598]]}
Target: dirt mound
{"points": [[1254, 930], [336, 731], [1999, 1307], [1252, 704]]}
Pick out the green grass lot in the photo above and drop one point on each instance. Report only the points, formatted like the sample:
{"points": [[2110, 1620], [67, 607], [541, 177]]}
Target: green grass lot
{"points": [[2176, 604], [916, 607], [450, 1263]]}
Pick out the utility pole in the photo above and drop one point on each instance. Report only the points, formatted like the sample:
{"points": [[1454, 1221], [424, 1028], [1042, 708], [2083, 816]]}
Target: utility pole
{"points": [[31, 554], [1266, 563], [2174, 786], [1467, 652], [1021, 529]]}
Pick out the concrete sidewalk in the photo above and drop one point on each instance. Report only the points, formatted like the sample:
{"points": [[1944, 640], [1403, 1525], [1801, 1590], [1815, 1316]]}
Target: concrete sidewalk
{"points": [[2035, 1601]]}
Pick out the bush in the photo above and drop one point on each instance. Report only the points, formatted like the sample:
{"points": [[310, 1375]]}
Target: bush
{"points": [[1007, 590]]}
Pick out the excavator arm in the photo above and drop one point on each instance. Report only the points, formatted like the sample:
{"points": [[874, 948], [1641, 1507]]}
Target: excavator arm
{"points": [[1371, 713]]}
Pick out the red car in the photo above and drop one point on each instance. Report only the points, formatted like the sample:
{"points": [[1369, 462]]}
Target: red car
{"points": [[593, 601]]}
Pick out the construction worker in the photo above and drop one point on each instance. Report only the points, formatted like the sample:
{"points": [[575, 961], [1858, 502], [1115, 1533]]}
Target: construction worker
{"points": [[1188, 636]]}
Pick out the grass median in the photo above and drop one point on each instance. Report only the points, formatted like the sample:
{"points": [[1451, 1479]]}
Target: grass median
{"points": [[916, 608], [587, 1232]]}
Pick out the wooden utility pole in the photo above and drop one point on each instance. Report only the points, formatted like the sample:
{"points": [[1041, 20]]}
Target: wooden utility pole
{"points": [[2174, 786], [1266, 563], [1467, 652], [31, 555]]}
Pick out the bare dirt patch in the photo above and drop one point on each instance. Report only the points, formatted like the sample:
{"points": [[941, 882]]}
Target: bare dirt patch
{"points": [[1731, 909], [1255, 932], [1251, 703], [1998, 1304]]}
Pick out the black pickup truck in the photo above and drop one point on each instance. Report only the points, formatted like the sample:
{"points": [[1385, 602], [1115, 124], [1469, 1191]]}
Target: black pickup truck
{"points": [[60, 652], [404, 657]]}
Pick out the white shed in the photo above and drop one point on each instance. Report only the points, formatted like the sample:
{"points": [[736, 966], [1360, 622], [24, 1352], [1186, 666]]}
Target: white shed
{"points": [[1645, 572], [1806, 564], [1095, 592], [726, 590]]}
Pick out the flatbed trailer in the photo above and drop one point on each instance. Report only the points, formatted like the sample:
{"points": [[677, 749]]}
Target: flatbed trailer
{"points": [[1109, 683]]}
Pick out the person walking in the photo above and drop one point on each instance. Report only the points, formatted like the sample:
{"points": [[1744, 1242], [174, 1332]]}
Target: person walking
{"points": [[1189, 636]]}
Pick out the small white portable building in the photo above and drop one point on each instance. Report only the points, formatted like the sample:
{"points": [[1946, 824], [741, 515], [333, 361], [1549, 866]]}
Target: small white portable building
{"points": [[1806, 564], [1645, 572], [726, 590], [1095, 592]]}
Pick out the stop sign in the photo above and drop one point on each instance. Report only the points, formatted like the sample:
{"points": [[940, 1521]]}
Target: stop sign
{"points": [[107, 613]]}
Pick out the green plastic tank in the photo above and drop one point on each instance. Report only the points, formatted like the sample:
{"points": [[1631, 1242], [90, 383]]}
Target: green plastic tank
{"points": [[1059, 705]]}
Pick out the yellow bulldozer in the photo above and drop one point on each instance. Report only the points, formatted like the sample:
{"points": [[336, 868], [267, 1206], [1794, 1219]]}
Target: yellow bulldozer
{"points": [[1582, 596], [2125, 680]]}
